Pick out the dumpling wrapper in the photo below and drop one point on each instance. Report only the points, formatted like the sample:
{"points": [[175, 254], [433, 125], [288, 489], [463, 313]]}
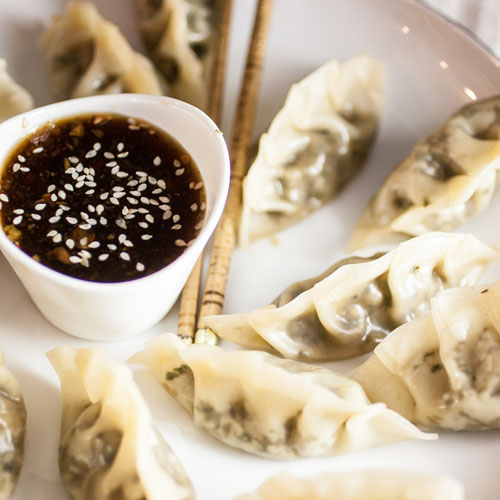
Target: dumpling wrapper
{"points": [[12, 431], [447, 179], [87, 55], [109, 448], [351, 307], [359, 485], [269, 406], [443, 370], [13, 98], [314, 145], [179, 36]]}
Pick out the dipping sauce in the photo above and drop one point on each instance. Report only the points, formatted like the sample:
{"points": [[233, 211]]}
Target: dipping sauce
{"points": [[102, 197]]}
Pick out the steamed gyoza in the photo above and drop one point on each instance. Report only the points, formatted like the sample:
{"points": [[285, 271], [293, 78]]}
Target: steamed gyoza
{"points": [[109, 448], [12, 430], [447, 179], [271, 406], [350, 308], [314, 145], [87, 55], [179, 36], [443, 370], [359, 485], [13, 98]]}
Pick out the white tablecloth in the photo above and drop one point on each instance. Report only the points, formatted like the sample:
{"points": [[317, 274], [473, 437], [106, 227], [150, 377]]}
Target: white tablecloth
{"points": [[482, 17]]}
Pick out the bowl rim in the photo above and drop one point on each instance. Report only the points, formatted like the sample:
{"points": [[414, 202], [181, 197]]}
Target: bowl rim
{"points": [[92, 104]]}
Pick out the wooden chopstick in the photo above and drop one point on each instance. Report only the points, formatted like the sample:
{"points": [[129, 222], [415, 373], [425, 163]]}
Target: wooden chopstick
{"points": [[189, 297], [225, 235]]}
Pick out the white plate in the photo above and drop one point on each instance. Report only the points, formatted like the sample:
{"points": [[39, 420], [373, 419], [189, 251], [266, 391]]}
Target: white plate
{"points": [[432, 69]]}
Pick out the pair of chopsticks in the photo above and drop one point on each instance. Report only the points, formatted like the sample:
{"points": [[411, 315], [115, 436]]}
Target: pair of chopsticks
{"points": [[224, 238]]}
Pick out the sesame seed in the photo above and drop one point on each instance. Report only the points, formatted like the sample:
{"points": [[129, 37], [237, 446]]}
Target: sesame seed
{"points": [[55, 219], [112, 247], [161, 184], [84, 215], [103, 196], [150, 218], [74, 175], [74, 259], [64, 207], [120, 146], [94, 244], [177, 163], [128, 243], [198, 185], [85, 227], [164, 199], [146, 237], [140, 173], [97, 146], [103, 221], [121, 238], [164, 207], [156, 191], [79, 168], [92, 222], [121, 223], [73, 159], [124, 210], [83, 241], [51, 188], [24, 169], [122, 155], [70, 170], [84, 262], [68, 187], [176, 218], [57, 238], [108, 155], [199, 225], [167, 215], [81, 178], [21, 158], [117, 188], [115, 169], [157, 161], [143, 210], [124, 256], [180, 243], [143, 224], [152, 201], [103, 257], [135, 193], [17, 220], [51, 233], [38, 150], [145, 200], [139, 267], [203, 206], [91, 153], [152, 180], [179, 171], [90, 184], [119, 194], [90, 191], [70, 243], [132, 201], [59, 212], [91, 208], [114, 201], [194, 207], [132, 183], [85, 253], [33, 216], [16, 167], [111, 164], [18, 211], [129, 216], [80, 184], [176, 227], [99, 209], [134, 127]]}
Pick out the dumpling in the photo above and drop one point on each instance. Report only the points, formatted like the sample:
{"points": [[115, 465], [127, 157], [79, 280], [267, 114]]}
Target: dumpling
{"points": [[271, 406], [13, 98], [359, 485], [349, 309], [314, 145], [87, 55], [443, 370], [108, 447], [179, 36], [447, 179], [12, 430]]}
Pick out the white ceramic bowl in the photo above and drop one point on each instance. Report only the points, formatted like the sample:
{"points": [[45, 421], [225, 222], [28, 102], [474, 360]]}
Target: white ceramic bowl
{"points": [[109, 311]]}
